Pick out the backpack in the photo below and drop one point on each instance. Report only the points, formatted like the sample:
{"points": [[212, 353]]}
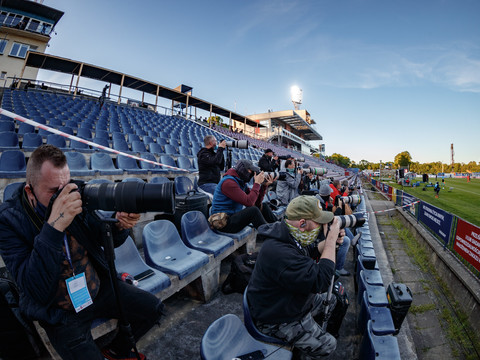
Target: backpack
{"points": [[240, 273], [18, 338], [338, 313]]}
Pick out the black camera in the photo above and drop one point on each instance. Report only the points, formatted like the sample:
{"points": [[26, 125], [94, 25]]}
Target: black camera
{"points": [[351, 221], [240, 144], [132, 197]]}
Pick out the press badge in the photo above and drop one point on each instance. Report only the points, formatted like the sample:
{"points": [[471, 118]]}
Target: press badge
{"points": [[78, 292]]}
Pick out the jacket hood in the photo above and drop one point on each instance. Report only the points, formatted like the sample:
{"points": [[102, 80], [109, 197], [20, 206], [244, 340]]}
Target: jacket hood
{"points": [[277, 231], [232, 172]]}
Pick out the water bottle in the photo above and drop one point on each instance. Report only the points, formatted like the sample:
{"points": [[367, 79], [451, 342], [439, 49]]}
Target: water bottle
{"points": [[126, 277]]}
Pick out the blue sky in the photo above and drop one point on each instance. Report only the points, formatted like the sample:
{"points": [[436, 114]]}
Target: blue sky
{"points": [[378, 76]]}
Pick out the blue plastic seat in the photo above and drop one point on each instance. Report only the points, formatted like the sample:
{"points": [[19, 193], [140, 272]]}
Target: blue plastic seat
{"points": [[25, 128], [375, 347], [101, 141], [184, 150], [129, 165], [382, 321], [12, 164], [170, 150], [238, 236], [128, 260], [8, 140], [164, 250], [120, 145], [133, 179], [80, 146], [252, 329], [103, 163], [196, 234], [138, 146], [154, 169], [66, 130], [102, 134], [133, 137], [162, 141], [227, 338], [168, 160], [184, 163], [57, 140], [183, 185], [100, 181], [7, 125], [10, 189], [78, 164], [159, 180], [156, 149], [373, 277], [31, 141]]}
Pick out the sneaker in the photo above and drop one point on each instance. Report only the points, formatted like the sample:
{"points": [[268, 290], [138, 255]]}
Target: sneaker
{"points": [[343, 272], [109, 355]]}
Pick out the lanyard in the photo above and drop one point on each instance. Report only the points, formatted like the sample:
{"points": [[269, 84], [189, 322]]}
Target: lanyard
{"points": [[67, 253]]}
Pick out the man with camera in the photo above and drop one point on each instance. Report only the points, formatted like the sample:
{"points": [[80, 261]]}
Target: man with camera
{"points": [[268, 162], [210, 164], [287, 187], [53, 249], [288, 285], [232, 194]]}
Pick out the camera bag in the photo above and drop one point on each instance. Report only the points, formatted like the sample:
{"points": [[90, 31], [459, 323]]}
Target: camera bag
{"points": [[18, 338], [240, 273], [188, 202]]}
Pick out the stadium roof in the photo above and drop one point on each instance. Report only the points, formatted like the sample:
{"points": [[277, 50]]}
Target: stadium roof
{"points": [[68, 66], [34, 8], [299, 120]]}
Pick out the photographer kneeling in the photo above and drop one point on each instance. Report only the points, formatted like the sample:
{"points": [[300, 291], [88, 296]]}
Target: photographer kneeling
{"points": [[54, 248], [287, 189], [232, 194]]}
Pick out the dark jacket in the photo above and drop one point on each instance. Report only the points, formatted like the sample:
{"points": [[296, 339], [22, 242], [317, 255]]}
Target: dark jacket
{"points": [[209, 165], [33, 256], [285, 278], [267, 164]]}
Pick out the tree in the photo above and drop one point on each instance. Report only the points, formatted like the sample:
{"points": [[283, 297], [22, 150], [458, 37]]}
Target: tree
{"points": [[363, 164], [340, 160], [403, 159]]}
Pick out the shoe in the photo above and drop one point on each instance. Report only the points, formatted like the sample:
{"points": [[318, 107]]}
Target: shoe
{"points": [[343, 272], [109, 355]]}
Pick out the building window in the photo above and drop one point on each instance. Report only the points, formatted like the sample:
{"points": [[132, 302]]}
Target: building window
{"points": [[33, 25], [3, 45], [19, 50], [3, 75]]}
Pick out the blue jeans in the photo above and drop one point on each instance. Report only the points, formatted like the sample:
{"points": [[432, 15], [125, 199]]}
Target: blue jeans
{"points": [[208, 187], [342, 252]]}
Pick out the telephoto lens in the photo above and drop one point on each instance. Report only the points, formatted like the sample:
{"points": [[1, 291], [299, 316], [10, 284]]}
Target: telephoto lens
{"points": [[351, 221], [240, 144], [281, 175], [316, 171], [352, 199]]}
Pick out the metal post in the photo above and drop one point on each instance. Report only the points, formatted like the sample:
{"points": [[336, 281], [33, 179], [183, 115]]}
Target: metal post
{"points": [[78, 79], [120, 91]]}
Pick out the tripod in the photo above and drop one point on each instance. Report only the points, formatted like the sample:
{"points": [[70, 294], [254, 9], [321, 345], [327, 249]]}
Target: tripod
{"points": [[228, 162], [110, 256]]}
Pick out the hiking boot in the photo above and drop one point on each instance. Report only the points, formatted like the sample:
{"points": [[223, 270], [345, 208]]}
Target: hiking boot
{"points": [[343, 272]]}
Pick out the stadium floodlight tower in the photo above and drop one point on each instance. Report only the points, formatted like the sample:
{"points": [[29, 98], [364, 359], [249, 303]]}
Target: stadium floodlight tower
{"points": [[296, 96]]}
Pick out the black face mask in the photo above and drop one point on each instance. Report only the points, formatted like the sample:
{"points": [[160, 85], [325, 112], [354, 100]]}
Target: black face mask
{"points": [[325, 198], [243, 173]]}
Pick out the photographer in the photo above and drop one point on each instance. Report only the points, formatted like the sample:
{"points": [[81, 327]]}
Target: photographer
{"points": [[45, 253], [287, 189], [268, 162], [232, 194], [210, 164], [288, 285]]}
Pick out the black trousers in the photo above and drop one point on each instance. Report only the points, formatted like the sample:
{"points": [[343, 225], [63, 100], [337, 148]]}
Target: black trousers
{"points": [[250, 215], [73, 339]]}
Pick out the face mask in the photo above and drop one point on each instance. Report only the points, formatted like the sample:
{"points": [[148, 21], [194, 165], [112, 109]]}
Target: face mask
{"points": [[304, 238], [243, 173], [290, 170]]}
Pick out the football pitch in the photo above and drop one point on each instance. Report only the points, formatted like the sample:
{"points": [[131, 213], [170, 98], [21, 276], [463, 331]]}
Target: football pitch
{"points": [[459, 197]]}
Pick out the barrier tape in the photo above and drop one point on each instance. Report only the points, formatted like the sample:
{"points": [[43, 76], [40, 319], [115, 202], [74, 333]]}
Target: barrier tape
{"points": [[72, 137]]}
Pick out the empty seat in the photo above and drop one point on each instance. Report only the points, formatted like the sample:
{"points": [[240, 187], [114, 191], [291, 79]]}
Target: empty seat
{"points": [[8, 140], [128, 260], [120, 145], [100, 181], [31, 141], [80, 146], [184, 150], [129, 165], [156, 149], [184, 163], [66, 130], [138, 146], [382, 321], [170, 150], [375, 347], [159, 180], [183, 185], [25, 128], [164, 250], [10, 189], [103, 163], [57, 140], [154, 169], [169, 162], [78, 164], [196, 233], [133, 137], [227, 338], [12, 164], [7, 125], [101, 141]]}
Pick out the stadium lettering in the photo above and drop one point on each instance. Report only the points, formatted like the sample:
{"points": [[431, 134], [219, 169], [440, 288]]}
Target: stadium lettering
{"points": [[433, 212], [475, 235], [434, 219], [468, 252]]}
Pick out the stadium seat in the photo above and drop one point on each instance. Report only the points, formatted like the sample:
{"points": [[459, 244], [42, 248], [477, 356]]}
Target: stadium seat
{"points": [[154, 169], [375, 347], [25, 128], [156, 149], [183, 185], [159, 180], [165, 251], [196, 234], [227, 338], [162, 141], [31, 141], [252, 329], [133, 179], [370, 277], [170, 150], [103, 163], [66, 129], [100, 181], [101, 141], [120, 145], [169, 161], [78, 164], [184, 163], [80, 146], [8, 140], [128, 260], [138, 146], [184, 150], [12, 164], [10, 190], [57, 140], [382, 321], [133, 137], [7, 125], [129, 165]]}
